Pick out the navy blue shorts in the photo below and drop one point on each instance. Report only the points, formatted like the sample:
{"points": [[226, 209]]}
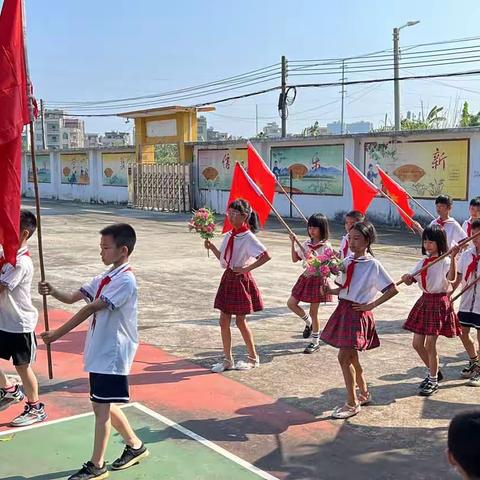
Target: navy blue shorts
{"points": [[469, 319], [105, 388]]}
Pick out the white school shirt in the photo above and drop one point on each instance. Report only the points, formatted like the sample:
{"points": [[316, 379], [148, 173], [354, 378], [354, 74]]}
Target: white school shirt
{"points": [[246, 249], [111, 343], [17, 313], [470, 300], [455, 233], [306, 248], [344, 246], [466, 224], [369, 278], [436, 276]]}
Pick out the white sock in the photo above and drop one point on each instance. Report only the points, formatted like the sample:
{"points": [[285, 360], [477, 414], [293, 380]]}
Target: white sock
{"points": [[316, 338], [307, 319]]}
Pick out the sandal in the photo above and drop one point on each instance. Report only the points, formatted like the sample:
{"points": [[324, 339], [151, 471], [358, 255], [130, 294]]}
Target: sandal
{"points": [[251, 363], [223, 366], [364, 399], [345, 411]]}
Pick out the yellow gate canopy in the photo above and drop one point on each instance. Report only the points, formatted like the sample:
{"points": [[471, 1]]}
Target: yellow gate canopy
{"points": [[165, 125]]}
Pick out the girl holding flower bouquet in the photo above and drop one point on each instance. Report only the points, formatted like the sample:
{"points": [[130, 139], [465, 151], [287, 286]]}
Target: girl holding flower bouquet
{"points": [[239, 253], [351, 328], [309, 285]]}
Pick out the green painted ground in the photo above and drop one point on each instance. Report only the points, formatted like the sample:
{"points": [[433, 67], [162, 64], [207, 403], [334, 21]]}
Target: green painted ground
{"points": [[56, 451]]}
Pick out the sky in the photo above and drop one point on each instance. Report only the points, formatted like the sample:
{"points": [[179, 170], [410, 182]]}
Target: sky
{"points": [[85, 50]]}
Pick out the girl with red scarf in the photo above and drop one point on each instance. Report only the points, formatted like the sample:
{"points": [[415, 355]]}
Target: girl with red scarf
{"points": [[240, 253], [433, 314], [351, 328]]}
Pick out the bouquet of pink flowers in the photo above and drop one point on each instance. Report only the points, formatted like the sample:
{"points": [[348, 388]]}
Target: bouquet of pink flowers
{"points": [[327, 264], [203, 222]]}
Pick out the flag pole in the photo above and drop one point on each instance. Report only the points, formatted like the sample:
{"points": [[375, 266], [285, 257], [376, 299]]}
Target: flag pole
{"points": [[37, 196], [381, 192], [282, 221], [467, 287], [441, 257], [289, 198], [411, 198]]}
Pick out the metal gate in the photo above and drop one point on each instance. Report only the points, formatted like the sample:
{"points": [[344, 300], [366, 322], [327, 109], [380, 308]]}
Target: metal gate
{"points": [[163, 187]]}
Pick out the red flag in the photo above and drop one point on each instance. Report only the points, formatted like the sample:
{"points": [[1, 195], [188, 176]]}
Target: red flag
{"points": [[399, 196], [260, 173], [244, 187], [14, 114], [363, 190]]}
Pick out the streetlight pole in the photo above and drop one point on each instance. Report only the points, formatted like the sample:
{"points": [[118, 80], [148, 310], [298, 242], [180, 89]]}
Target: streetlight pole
{"points": [[396, 70]]}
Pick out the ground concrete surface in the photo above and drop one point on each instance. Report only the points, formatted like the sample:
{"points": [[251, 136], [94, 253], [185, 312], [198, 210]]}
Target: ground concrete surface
{"points": [[400, 435]]}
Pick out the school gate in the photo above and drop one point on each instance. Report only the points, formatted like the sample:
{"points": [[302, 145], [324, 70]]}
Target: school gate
{"points": [[162, 187]]}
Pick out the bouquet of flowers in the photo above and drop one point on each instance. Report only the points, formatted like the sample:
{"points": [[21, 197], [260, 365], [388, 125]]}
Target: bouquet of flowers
{"points": [[203, 222], [327, 264]]}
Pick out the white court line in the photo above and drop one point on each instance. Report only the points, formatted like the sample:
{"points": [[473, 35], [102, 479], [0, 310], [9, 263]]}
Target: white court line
{"points": [[206, 443], [91, 210], [30, 206]]}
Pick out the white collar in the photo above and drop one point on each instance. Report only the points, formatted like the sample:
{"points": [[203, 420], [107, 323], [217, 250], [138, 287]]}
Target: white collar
{"points": [[112, 273]]}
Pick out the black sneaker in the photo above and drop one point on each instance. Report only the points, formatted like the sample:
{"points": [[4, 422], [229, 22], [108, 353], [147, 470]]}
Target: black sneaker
{"points": [[307, 331], [130, 456], [312, 348], [469, 370], [429, 389], [90, 471], [427, 379]]}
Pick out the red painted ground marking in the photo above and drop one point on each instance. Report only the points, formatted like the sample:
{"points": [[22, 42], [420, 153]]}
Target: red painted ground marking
{"points": [[168, 384]]}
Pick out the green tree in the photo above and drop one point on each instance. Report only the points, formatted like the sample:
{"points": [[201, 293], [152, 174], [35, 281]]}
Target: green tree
{"points": [[312, 131], [432, 121], [468, 119]]}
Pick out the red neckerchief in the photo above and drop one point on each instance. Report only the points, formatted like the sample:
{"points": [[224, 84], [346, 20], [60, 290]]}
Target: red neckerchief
{"points": [[4, 262], [473, 266], [229, 247], [350, 270], [313, 248], [469, 228], [441, 222], [103, 283], [423, 275], [345, 248]]}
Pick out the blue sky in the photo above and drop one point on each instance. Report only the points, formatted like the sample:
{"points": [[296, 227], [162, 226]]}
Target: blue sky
{"points": [[94, 50]]}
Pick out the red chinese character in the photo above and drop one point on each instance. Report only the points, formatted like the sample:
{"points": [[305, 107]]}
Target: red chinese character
{"points": [[438, 159]]}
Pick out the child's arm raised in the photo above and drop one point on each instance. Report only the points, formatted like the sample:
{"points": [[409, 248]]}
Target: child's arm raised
{"points": [[77, 319], [295, 257], [264, 258], [365, 307], [44, 288], [452, 272], [210, 246]]}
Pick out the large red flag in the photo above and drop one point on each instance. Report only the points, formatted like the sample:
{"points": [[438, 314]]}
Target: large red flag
{"points": [[244, 187], [260, 173], [363, 190], [14, 114], [399, 196]]}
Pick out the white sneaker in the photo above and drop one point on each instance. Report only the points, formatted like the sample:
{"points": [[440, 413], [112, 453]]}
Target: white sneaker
{"points": [[474, 380], [249, 364], [223, 366]]}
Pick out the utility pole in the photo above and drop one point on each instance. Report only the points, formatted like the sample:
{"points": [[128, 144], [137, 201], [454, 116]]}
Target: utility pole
{"points": [[283, 97], [343, 97], [256, 120], [396, 74], [396, 70], [42, 119]]}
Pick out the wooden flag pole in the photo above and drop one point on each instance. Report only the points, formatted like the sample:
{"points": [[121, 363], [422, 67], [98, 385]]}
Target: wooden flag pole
{"points": [[412, 199], [289, 198], [282, 221], [467, 287], [37, 196], [441, 257]]}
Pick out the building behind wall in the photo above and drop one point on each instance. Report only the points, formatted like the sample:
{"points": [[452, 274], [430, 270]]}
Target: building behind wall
{"points": [[60, 132], [116, 139], [201, 129]]}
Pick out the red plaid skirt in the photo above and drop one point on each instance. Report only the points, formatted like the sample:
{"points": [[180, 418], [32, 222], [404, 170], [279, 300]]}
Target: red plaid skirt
{"points": [[347, 328], [238, 294], [307, 289], [433, 314]]}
